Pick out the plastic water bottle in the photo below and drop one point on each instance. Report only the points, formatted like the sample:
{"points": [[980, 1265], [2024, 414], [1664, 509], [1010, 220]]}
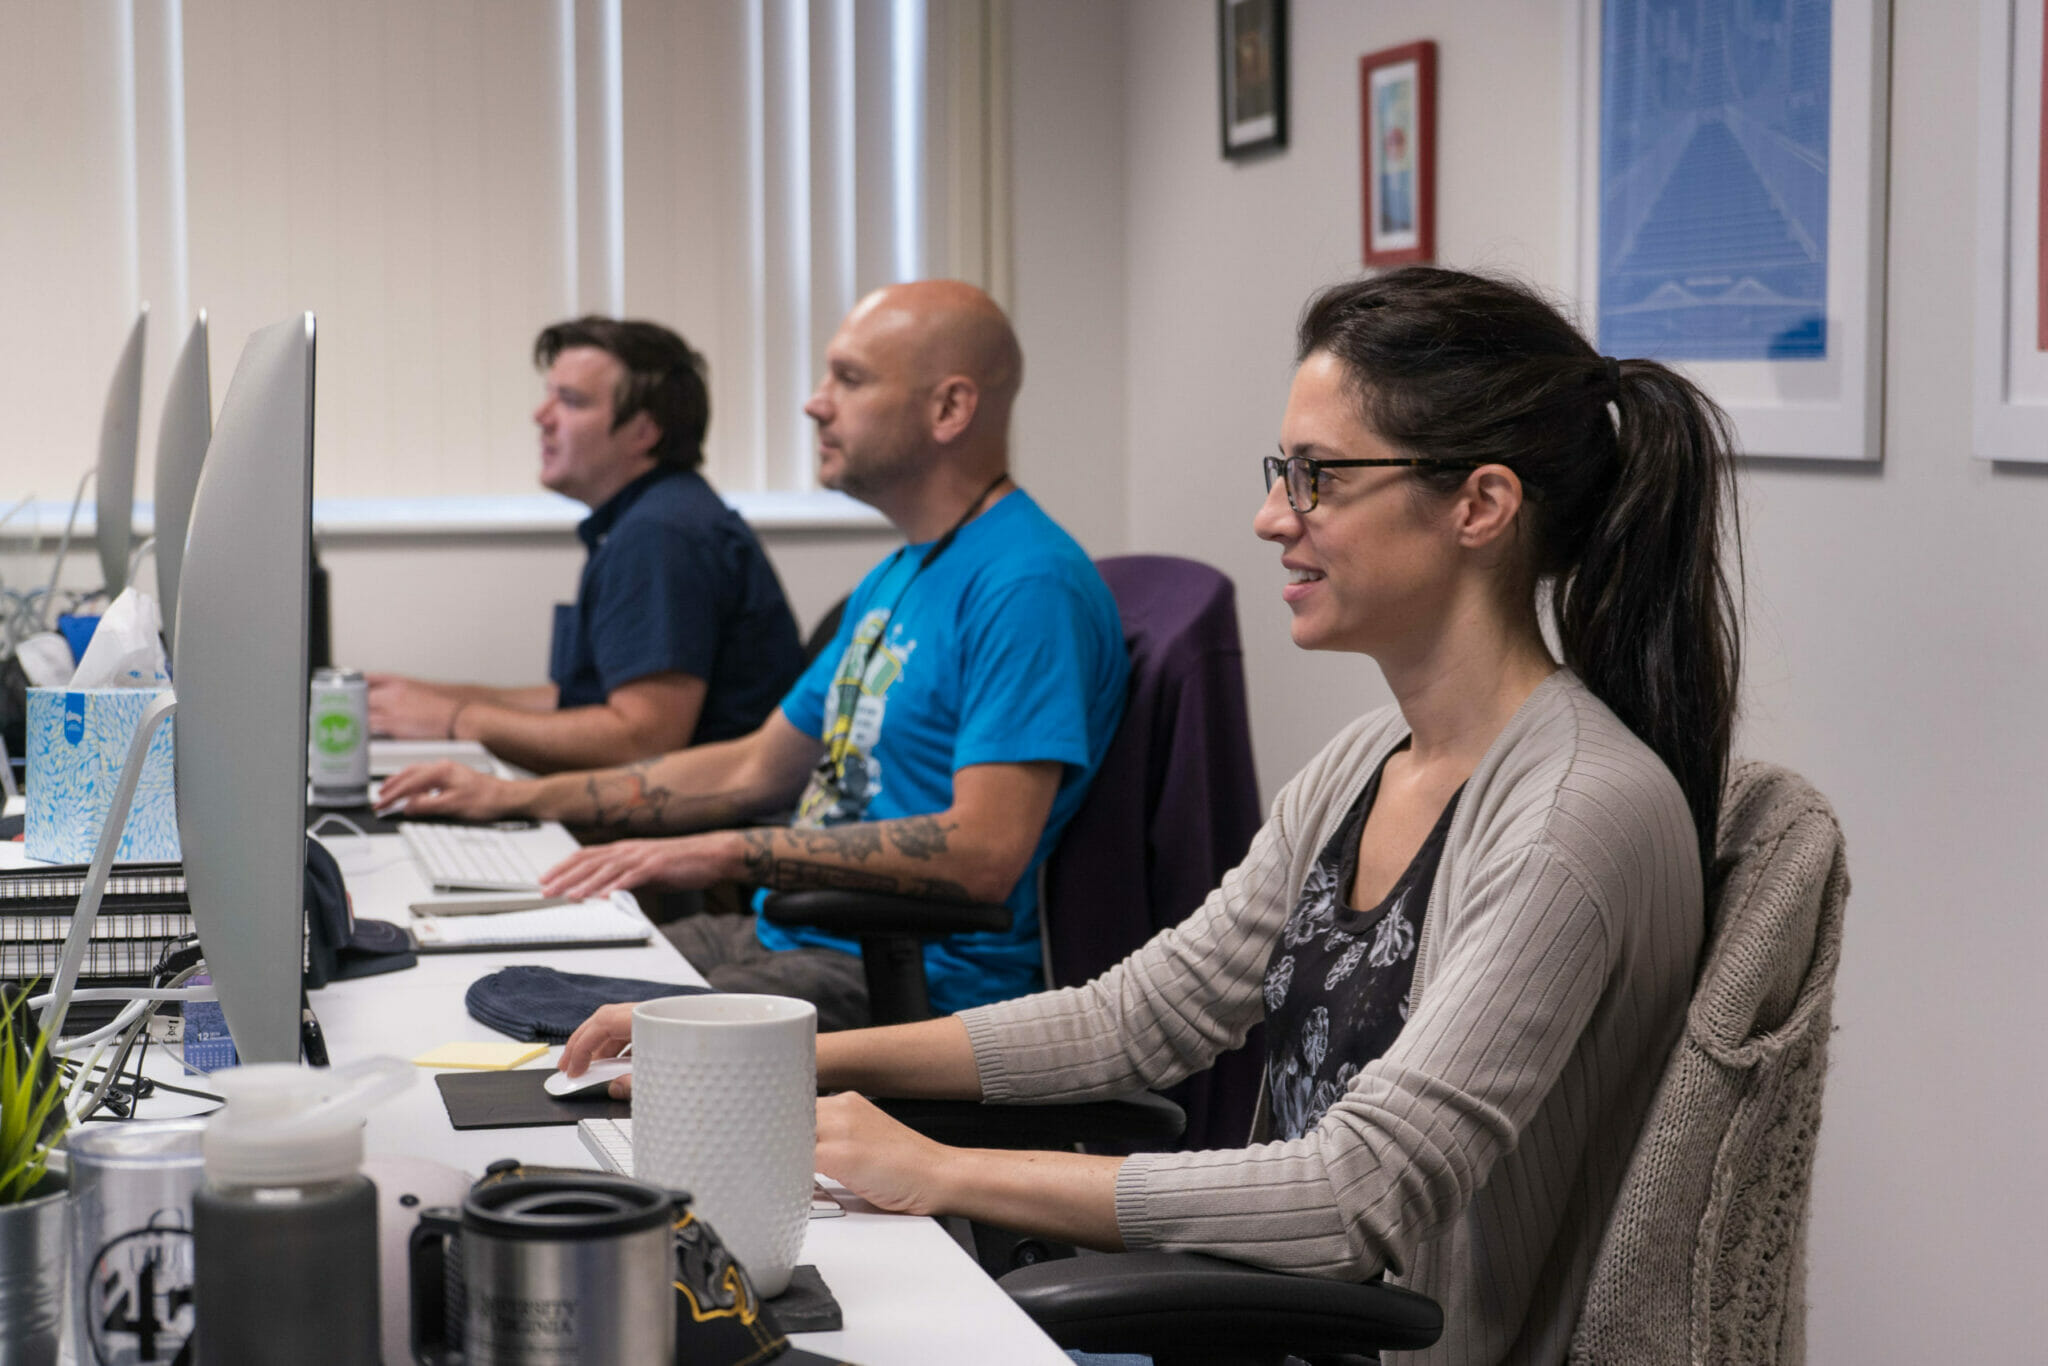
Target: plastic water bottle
{"points": [[285, 1228]]}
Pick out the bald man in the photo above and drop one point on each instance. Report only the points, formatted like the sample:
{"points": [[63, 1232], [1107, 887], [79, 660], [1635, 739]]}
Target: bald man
{"points": [[941, 742]]}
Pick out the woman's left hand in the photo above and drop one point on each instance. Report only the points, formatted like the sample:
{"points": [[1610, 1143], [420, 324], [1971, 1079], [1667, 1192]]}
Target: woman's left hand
{"points": [[887, 1164]]}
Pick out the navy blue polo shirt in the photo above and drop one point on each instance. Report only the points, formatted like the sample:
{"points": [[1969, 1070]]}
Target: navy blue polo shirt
{"points": [[676, 583]]}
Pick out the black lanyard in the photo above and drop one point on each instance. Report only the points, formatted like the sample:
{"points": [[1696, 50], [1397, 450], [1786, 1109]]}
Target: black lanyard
{"points": [[840, 741]]}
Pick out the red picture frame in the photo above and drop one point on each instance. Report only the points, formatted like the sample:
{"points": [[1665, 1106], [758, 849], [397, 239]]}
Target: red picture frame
{"points": [[1397, 154]]}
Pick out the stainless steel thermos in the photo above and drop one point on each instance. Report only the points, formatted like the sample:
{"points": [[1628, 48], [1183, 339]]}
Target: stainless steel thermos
{"points": [[547, 1267]]}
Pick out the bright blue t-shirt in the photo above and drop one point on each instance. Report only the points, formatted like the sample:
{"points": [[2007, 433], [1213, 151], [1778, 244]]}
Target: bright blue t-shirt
{"points": [[1006, 650]]}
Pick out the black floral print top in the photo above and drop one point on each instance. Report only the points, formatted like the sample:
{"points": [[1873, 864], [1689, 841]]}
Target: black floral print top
{"points": [[1336, 986]]}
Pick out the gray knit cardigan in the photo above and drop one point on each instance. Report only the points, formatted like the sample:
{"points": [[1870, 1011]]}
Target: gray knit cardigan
{"points": [[1479, 1160]]}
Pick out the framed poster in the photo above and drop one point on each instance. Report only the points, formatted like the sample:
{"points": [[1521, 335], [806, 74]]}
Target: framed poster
{"points": [[1729, 207], [1397, 142], [2010, 369], [1251, 47]]}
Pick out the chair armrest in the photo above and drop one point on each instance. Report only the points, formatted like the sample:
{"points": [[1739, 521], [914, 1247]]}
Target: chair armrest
{"points": [[1181, 1302], [1142, 1120], [853, 913]]}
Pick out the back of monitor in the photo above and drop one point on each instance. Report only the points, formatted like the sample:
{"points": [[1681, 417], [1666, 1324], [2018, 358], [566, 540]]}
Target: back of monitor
{"points": [[240, 672], [120, 431], [182, 435]]}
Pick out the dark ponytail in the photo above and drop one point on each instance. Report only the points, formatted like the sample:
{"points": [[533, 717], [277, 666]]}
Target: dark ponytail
{"points": [[1625, 510]]}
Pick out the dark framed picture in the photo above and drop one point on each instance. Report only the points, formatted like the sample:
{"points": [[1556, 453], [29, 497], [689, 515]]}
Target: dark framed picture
{"points": [[1251, 43], [1397, 101]]}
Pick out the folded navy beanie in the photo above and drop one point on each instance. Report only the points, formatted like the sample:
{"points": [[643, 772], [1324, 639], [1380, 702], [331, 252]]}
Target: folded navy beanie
{"points": [[543, 1005]]}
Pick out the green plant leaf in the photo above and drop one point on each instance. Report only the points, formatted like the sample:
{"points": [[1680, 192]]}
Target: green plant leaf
{"points": [[28, 1100]]}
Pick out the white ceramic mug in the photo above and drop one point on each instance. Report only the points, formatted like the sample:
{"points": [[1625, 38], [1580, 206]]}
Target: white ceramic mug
{"points": [[725, 1107]]}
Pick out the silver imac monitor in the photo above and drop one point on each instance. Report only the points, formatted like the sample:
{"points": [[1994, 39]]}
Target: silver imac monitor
{"points": [[239, 667], [120, 430], [181, 438]]}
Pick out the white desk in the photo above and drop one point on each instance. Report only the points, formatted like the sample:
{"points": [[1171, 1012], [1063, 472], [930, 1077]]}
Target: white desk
{"points": [[910, 1294]]}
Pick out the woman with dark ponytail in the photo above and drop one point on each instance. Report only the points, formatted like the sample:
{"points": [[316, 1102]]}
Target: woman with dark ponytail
{"points": [[1471, 923], [1623, 506]]}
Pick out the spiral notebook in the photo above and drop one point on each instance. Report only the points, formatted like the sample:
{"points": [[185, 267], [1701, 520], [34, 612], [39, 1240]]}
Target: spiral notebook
{"points": [[144, 914], [598, 923]]}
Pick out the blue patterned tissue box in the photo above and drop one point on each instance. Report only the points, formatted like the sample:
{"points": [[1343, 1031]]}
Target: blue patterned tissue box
{"points": [[77, 742]]}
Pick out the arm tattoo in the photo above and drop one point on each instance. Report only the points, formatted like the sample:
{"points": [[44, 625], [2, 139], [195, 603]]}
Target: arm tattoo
{"points": [[919, 837], [852, 842], [784, 874], [625, 797]]}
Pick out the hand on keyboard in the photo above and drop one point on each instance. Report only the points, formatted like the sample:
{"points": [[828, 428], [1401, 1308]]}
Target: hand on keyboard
{"points": [[447, 789], [684, 861], [888, 1164]]}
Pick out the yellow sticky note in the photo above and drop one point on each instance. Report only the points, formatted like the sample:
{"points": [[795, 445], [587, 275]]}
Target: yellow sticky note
{"points": [[483, 1057]]}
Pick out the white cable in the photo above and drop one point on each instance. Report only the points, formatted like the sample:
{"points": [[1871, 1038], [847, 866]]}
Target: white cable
{"points": [[64, 545], [138, 998], [148, 547], [136, 1017]]}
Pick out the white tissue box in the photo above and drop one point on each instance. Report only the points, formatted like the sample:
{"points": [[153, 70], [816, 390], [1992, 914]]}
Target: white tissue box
{"points": [[77, 742]]}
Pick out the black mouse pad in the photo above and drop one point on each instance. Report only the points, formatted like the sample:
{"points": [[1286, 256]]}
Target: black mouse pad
{"points": [[515, 1100]]}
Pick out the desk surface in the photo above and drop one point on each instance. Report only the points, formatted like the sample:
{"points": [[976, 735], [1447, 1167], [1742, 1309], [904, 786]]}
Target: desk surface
{"points": [[909, 1292]]}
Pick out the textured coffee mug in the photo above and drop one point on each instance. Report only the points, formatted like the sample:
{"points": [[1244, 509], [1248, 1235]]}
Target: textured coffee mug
{"points": [[725, 1107]]}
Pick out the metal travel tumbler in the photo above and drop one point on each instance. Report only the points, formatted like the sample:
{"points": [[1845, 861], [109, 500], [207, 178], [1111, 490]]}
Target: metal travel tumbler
{"points": [[546, 1267]]}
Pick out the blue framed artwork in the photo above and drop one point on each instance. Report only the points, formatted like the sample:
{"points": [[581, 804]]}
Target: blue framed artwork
{"points": [[2010, 369], [1730, 210]]}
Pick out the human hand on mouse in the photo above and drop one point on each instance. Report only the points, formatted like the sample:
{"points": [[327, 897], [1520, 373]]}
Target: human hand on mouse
{"points": [[608, 1033]]}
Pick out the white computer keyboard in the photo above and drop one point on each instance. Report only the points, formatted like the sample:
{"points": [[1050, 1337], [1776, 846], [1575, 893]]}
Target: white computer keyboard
{"points": [[611, 1142], [468, 858]]}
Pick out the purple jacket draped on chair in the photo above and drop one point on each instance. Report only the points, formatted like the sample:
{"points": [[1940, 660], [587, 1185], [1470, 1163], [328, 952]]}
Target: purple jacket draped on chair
{"points": [[1173, 808]]}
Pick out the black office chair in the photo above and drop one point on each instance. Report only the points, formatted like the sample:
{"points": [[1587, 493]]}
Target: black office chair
{"points": [[1185, 1309], [821, 634], [1727, 1150]]}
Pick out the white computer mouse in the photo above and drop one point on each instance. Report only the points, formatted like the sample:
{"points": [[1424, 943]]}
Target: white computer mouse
{"points": [[562, 1086]]}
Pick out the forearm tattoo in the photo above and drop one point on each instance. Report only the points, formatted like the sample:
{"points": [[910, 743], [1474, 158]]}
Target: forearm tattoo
{"points": [[629, 797], [919, 837], [855, 843]]}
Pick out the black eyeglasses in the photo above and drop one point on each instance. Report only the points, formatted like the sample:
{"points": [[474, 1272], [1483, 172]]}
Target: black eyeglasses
{"points": [[1302, 472]]}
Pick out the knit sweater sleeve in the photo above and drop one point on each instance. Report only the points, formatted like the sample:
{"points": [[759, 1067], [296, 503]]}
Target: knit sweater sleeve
{"points": [[1192, 992], [1523, 959]]}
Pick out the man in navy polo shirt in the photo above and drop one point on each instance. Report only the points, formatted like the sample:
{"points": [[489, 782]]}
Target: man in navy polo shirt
{"points": [[679, 634], [936, 747]]}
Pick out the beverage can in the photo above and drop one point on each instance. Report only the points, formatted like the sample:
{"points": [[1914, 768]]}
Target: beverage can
{"points": [[132, 1261], [338, 738]]}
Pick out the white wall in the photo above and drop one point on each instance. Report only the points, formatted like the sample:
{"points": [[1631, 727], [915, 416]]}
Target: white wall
{"points": [[1067, 188], [1223, 254], [1896, 651]]}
